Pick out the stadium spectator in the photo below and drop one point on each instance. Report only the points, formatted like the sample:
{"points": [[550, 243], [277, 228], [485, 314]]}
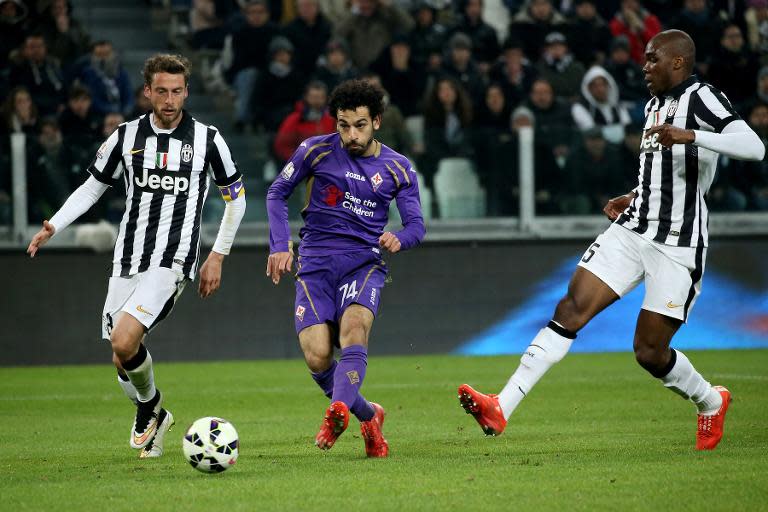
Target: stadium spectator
{"points": [[392, 131], [599, 107], [66, 38], [107, 80], [309, 118], [447, 120], [460, 65], [278, 87], [485, 42], [629, 79], [734, 67], [334, 66], [638, 25], [207, 22], [111, 122], [141, 104], [428, 37], [553, 123], [513, 72], [697, 20], [80, 124], [591, 176], [50, 177], [13, 28], [531, 25], [334, 10], [369, 28], [401, 76], [589, 34], [495, 152], [309, 32], [559, 68], [756, 24], [250, 51], [732, 10], [19, 115], [39, 74]]}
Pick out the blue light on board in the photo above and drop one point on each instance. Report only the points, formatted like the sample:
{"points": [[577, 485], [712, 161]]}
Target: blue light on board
{"points": [[726, 315]]}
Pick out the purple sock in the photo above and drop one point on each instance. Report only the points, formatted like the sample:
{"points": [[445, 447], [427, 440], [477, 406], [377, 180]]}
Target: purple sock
{"points": [[324, 379], [348, 378]]}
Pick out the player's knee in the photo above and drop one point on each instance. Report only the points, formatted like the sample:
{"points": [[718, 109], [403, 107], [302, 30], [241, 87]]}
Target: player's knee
{"points": [[570, 313], [124, 346], [317, 361], [649, 357]]}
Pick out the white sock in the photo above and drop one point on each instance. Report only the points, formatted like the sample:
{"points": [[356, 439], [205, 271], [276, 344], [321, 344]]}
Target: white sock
{"points": [[684, 380], [128, 388], [141, 375], [546, 349]]}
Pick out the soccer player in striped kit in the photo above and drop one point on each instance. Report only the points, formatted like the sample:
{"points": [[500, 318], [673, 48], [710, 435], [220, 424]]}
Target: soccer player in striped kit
{"points": [[659, 236], [351, 180], [165, 158]]}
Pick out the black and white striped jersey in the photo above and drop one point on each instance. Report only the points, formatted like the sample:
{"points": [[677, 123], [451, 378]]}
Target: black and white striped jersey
{"points": [[166, 180], [670, 206]]}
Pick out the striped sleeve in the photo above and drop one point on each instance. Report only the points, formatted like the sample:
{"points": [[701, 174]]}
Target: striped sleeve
{"points": [[222, 166], [714, 109], [108, 164]]}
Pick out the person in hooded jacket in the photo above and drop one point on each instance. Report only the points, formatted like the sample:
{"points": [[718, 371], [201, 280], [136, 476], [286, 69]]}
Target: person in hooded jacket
{"points": [[599, 106]]}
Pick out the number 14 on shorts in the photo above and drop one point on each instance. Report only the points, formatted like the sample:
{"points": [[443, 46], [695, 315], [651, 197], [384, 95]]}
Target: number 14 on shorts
{"points": [[348, 291]]}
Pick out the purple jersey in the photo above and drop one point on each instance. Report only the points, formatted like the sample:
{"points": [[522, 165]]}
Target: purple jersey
{"points": [[348, 198]]}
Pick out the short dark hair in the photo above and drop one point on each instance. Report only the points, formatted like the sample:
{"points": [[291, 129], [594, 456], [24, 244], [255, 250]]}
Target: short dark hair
{"points": [[166, 63], [351, 94], [78, 91]]}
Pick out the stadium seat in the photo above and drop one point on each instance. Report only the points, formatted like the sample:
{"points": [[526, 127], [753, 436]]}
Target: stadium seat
{"points": [[458, 190]]}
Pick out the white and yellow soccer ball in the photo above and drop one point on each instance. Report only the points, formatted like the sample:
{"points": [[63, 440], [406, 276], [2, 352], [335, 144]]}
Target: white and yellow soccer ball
{"points": [[211, 445]]}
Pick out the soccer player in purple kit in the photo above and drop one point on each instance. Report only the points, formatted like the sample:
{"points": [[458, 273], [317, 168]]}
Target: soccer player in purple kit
{"points": [[351, 180]]}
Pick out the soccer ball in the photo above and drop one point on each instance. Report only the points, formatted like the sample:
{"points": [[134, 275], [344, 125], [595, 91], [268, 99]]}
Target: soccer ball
{"points": [[211, 445]]}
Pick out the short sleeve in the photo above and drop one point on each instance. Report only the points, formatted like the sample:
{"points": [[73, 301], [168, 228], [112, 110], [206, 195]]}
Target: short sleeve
{"points": [[108, 164]]}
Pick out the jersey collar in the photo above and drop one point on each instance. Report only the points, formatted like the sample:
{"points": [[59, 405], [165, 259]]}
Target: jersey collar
{"points": [[680, 88]]}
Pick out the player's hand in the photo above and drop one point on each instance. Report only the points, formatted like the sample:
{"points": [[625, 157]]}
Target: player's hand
{"points": [[390, 242], [210, 275], [668, 135], [615, 206], [280, 263], [40, 238]]}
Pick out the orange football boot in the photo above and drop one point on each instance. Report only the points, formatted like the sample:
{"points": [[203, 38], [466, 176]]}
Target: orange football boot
{"points": [[709, 430], [375, 444], [334, 424], [485, 409]]}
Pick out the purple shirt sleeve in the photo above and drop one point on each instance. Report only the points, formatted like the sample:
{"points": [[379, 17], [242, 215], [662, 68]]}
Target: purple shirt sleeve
{"points": [[409, 206], [281, 189]]}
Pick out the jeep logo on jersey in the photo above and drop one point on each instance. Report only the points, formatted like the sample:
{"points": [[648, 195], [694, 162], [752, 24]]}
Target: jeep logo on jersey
{"points": [[152, 181], [187, 153], [650, 143]]}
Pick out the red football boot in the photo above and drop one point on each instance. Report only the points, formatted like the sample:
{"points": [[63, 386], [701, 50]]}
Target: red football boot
{"points": [[375, 444], [709, 429], [485, 409], [334, 424]]}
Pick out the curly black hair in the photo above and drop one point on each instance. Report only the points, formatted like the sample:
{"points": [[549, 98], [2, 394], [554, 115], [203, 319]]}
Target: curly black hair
{"points": [[352, 94]]}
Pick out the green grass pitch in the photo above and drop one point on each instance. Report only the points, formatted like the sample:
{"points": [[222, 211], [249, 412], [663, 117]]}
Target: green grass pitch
{"points": [[597, 433]]}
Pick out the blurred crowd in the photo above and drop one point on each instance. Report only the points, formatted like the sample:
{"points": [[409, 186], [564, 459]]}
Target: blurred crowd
{"points": [[462, 77]]}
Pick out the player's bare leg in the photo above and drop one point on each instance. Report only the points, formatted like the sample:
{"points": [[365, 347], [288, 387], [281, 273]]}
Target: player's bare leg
{"points": [[586, 297], [136, 362], [653, 335], [355, 328]]}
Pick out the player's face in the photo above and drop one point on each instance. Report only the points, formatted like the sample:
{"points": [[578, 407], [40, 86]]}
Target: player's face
{"points": [[356, 129], [658, 67], [167, 94]]}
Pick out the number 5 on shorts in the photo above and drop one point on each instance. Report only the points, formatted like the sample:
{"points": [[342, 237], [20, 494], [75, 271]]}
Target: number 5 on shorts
{"points": [[590, 252]]}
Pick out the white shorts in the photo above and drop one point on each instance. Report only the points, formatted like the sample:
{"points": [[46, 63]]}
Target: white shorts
{"points": [[622, 259], [148, 296]]}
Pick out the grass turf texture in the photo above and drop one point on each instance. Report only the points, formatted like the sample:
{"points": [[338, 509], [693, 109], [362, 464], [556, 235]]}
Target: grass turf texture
{"points": [[596, 433]]}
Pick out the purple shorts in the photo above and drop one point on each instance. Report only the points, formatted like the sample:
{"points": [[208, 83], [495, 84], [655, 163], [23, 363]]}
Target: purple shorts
{"points": [[327, 285]]}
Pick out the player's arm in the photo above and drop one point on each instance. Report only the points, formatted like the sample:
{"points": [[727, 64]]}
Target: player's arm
{"points": [[409, 206], [280, 257], [230, 182], [105, 170]]}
